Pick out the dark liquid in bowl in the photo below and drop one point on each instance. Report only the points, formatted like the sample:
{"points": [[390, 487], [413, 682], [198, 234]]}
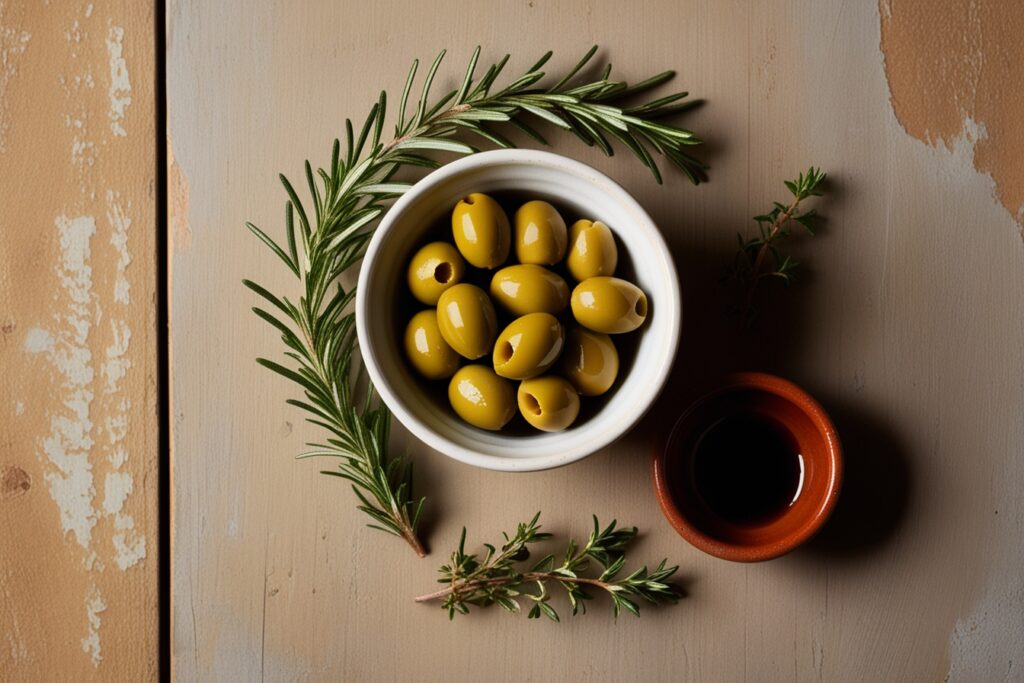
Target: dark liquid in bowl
{"points": [[747, 468]]}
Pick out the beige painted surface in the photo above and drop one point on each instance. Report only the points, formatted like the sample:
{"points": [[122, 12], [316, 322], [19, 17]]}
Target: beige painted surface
{"points": [[907, 326], [78, 334]]}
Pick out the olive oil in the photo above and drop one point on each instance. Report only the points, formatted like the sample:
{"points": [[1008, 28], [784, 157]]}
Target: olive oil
{"points": [[747, 468]]}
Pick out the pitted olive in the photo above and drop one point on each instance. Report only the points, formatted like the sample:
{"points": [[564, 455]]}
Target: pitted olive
{"points": [[549, 403], [540, 234], [592, 250], [609, 305], [427, 350], [481, 231], [528, 288], [590, 361], [467, 321], [433, 269], [481, 398], [528, 346]]}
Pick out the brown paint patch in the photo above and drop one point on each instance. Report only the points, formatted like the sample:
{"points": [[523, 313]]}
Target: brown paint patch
{"points": [[177, 193], [14, 481], [951, 61]]}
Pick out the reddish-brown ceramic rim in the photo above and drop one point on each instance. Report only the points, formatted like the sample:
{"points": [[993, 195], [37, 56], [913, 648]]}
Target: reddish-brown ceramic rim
{"points": [[808, 521]]}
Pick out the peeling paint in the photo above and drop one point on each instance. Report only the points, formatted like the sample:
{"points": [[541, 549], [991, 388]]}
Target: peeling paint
{"points": [[978, 645], [94, 606], [19, 408], [129, 545], [120, 88], [13, 43], [177, 193], [66, 447], [948, 62], [120, 224], [115, 367]]}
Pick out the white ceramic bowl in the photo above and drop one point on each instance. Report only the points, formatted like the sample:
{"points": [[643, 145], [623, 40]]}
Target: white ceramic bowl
{"points": [[586, 193]]}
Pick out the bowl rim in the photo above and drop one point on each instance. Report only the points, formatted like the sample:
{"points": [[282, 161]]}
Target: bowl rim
{"points": [[670, 302], [739, 552]]}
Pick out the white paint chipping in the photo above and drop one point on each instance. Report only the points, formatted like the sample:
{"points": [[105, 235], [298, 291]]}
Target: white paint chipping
{"points": [[116, 365], [66, 447], [120, 224], [116, 488], [19, 408], [39, 341], [129, 545], [979, 649], [120, 88], [94, 606], [12, 46]]}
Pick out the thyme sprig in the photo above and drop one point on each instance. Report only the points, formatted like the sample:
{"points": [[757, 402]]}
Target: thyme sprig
{"points": [[760, 257], [496, 579], [325, 238]]}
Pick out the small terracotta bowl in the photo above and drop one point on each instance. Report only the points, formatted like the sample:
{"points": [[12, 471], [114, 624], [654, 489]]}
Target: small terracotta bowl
{"points": [[817, 443]]}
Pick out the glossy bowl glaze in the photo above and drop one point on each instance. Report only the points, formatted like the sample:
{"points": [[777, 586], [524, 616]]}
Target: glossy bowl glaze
{"points": [[822, 471], [582, 191]]}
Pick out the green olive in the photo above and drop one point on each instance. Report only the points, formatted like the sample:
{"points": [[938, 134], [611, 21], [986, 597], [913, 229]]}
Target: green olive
{"points": [[481, 398], [609, 305], [429, 353], [433, 269], [589, 361], [592, 250], [481, 231], [528, 346], [548, 403], [540, 234], [528, 288], [467, 320]]}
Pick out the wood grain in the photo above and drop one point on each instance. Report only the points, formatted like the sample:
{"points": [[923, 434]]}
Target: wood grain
{"points": [[907, 326], [78, 334]]}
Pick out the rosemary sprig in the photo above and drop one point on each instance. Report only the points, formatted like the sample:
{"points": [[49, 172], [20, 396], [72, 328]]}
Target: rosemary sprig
{"points": [[760, 257], [496, 580], [348, 197]]}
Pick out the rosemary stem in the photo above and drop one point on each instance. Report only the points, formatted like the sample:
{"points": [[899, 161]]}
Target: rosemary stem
{"points": [[466, 586], [762, 253]]}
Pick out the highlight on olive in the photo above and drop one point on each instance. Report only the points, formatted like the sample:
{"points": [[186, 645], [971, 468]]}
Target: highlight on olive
{"points": [[528, 288], [609, 304], [590, 361], [433, 269], [481, 398], [592, 250], [427, 350], [481, 230], [549, 403], [467, 321], [540, 235], [528, 346]]}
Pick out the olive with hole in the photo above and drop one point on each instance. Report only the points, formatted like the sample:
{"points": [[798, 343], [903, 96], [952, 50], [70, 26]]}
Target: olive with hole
{"points": [[549, 403], [481, 231], [481, 398], [427, 350], [592, 250], [433, 269], [540, 235], [527, 288], [528, 346], [609, 304], [466, 318], [590, 361]]}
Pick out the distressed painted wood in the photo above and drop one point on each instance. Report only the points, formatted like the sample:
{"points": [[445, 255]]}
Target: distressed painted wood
{"points": [[907, 326], [78, 339]]}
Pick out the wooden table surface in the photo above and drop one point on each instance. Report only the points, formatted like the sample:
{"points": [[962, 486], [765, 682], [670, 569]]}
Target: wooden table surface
{"points": [[907, 325]]}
